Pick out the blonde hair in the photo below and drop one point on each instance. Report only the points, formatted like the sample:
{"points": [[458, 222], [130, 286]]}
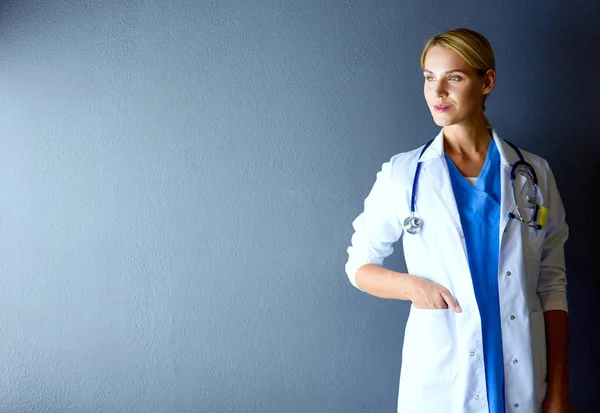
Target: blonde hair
{"points": [[470, 45]]}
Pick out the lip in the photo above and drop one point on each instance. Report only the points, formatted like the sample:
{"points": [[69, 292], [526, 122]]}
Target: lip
{"points": [[441, 108]]}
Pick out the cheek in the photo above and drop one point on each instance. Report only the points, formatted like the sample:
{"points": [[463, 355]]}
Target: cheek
{"points": [[474, 93], [428, 92], [467, 98]]}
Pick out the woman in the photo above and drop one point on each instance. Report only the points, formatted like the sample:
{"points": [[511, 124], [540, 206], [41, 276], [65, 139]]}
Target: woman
{"points": [[483, 243]]}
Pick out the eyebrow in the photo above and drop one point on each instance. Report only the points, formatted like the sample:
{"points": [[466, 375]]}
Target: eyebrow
{"points": [[449, 71]]}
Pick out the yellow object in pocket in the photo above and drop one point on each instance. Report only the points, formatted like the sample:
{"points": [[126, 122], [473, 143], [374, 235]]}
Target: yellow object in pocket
{"points": [[543, 216]]}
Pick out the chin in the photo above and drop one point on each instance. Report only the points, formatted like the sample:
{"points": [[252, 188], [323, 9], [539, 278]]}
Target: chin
{"points": [[442, 121]]}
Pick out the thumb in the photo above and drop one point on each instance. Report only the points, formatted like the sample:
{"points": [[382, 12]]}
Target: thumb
{"points": [[452, 303]]}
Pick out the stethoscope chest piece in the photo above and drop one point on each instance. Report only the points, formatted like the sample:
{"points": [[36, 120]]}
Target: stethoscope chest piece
{"points": [[412, 224]]}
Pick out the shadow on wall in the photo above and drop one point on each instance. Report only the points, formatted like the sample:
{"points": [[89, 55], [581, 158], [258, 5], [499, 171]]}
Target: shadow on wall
{"points": [[569, 128]]}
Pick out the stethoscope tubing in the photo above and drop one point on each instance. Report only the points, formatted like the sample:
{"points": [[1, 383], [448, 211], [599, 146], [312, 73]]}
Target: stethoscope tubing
{"points": [[513, 168], [416, 178]]}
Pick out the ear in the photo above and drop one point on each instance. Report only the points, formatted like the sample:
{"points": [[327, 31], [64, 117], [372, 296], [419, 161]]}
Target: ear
{"points": [[489, 81]]}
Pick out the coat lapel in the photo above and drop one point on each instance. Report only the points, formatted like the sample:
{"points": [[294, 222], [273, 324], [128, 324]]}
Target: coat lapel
{"points": [[435, 169], [507, 158]]}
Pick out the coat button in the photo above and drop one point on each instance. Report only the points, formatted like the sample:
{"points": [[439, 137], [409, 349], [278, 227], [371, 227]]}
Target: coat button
{"points": [[515, 361], [472, 353], [476, 397], [512, 317], [508, 273], [516, 405]]}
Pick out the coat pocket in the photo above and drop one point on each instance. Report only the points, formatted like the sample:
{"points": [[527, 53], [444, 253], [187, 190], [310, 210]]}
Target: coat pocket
{"points": [[533, 241], [430, 345]]}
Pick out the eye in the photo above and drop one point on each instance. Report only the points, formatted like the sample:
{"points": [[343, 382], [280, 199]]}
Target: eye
{"points": [[455, 78], [429, 78]]}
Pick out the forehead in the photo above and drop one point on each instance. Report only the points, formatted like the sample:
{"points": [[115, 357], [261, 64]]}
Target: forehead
{"points": [[440, 59]]}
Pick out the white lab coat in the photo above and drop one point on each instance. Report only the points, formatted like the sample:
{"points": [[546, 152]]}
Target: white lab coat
{"points": [[442, 360]]}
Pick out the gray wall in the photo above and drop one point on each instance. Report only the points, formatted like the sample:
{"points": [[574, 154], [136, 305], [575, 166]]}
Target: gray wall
{"points": [[178, 180]]}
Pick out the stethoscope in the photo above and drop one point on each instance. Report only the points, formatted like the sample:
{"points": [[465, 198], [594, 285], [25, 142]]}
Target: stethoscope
{"points": [[414, 224]]}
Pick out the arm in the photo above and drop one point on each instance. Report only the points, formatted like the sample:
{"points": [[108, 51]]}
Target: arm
{"points": [[385, 283], [557, 344], [376, 229], [552, 291]]}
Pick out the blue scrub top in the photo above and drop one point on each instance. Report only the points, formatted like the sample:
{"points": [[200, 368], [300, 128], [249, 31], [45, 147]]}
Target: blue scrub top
{"points": [[479, 209]]}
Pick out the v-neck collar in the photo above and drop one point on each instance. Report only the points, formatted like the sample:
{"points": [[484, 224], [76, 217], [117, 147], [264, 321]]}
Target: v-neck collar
{"points": [[482, 186], [483, 173]]}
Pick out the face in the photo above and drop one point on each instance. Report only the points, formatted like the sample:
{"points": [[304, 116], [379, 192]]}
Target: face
{"points": [[453, 89]]}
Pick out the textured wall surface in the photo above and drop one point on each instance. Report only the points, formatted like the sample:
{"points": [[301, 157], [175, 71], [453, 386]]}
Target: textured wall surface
{"points": [[178, 180]]}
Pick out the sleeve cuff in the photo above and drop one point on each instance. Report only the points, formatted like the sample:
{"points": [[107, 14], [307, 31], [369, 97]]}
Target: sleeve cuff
{"points": [[554, 300]]}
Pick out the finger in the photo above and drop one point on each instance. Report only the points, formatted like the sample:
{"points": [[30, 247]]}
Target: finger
{"points": [[452, 304]]}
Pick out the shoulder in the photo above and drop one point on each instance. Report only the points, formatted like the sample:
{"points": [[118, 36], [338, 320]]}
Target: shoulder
{"points": [[403, 163], [539, 164], [545, 177], [401, 168], [403, 158], [510, 154], [533, 159]]}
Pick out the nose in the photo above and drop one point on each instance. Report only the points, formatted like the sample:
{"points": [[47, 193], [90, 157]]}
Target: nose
{"points": [[439, 89]]}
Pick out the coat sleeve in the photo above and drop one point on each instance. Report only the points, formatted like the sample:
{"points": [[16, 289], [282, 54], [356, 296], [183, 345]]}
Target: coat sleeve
{"points": [[552, 281], [377, 227]]}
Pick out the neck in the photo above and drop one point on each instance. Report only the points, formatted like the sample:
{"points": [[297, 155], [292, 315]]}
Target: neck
{"points": [[467, 138]]}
